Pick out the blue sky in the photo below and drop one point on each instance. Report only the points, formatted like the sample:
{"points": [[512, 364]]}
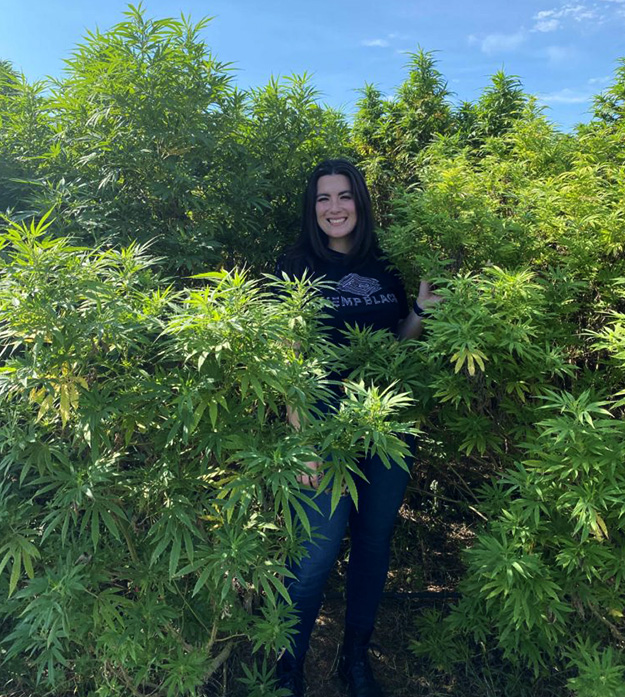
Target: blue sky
{"points": [[564, 52]]}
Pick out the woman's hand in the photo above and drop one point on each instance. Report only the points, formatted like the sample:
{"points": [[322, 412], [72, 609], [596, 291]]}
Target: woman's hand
{"points": [[311, 479], [426, 298], [412, 326]]}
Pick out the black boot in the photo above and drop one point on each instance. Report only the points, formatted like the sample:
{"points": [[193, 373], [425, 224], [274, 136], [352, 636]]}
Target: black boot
{"points": [[354, 667], [290, 674]]}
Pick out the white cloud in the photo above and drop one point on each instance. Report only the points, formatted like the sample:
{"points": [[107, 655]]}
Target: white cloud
{"points": [[565, 96], [385, 42], [378, 43], [600, 80], [580, 13], [550, 20], [546, 25], [619, 7], [500, 43]]}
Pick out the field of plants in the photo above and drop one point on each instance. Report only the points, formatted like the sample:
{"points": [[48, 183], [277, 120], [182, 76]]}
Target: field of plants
{"points": [[148, 474]]}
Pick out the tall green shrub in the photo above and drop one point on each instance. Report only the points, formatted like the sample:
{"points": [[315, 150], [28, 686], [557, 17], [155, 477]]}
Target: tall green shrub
{"points": [[25, 136], [524, 241], [145, 119]]}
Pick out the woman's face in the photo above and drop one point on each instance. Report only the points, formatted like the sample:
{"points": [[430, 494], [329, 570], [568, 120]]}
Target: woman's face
{"points": [[336, 211]]}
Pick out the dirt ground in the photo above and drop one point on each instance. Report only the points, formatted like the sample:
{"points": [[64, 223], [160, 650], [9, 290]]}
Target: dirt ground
{"points": [[395, 667]]}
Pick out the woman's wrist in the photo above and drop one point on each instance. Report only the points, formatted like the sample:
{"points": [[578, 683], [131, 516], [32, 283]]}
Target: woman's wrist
{"points": [[417, 309]]}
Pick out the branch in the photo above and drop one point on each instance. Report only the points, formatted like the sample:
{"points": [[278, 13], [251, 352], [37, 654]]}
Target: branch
{"points": [[220, 659], [616, 633]]}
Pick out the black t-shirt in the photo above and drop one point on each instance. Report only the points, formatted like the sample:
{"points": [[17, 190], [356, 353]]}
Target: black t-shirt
{"points": [[368, 295]]}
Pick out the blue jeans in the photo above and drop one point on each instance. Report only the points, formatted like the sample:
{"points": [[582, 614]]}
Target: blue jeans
{"points": [[371, 527]]}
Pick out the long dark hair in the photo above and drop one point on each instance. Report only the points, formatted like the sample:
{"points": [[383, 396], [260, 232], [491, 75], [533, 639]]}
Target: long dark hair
{"points": [[312, 243]]}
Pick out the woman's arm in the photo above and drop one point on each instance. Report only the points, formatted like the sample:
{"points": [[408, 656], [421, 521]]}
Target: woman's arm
{"points": [[412, 326], [292, 416], [311, 479]]}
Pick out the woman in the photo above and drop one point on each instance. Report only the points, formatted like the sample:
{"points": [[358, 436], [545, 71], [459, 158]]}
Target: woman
{"points": [[337, 242]]}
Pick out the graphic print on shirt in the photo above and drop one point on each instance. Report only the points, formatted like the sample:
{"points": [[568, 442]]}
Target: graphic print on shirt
{"points": [[368, 290], [359, 285]]}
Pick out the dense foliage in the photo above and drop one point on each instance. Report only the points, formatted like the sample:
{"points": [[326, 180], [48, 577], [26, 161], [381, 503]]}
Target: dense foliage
{"points": [[525, 234], [146, 460], [148, 491], [145, 138]]}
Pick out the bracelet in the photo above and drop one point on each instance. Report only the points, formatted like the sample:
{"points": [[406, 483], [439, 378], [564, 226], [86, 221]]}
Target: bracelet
{"points": [[419, 311]]}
